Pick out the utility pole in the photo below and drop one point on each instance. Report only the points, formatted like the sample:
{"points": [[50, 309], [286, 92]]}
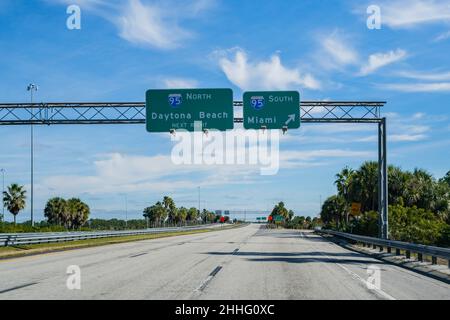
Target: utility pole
{"points": [[32, 88]]}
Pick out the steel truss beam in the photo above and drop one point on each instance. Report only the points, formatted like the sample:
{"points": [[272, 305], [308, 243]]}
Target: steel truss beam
{"points": [[134, 113]]}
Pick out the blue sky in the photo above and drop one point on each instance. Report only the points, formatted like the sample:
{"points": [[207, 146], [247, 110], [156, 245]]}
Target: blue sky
{"points": [[322, 49]]}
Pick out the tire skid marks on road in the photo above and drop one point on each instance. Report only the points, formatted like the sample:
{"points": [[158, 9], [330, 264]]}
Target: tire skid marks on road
{"points": [[209, 278], [18, 287]]}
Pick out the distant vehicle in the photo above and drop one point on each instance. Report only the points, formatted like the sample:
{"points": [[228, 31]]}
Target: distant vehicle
{"points": [[317, 228]]}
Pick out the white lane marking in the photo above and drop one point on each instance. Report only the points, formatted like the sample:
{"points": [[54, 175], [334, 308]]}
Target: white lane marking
{"points": [[356, 277]]}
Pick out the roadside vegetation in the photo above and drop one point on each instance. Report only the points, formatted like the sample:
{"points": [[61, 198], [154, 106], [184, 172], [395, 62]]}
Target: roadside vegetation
{"points": [[73, 214], [289, 220], [419, 204], [165, 212]]}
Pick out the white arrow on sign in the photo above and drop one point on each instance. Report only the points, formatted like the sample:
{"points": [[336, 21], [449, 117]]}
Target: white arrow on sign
{"points": [[291, 118]]}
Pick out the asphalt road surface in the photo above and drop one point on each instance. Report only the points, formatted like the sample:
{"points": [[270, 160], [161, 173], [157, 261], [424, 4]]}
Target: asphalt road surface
{"points": [[250, 262]]}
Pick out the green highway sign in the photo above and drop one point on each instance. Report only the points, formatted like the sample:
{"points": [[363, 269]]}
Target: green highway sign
{"points": [[169, 109], [278, 218], [271, 110]]}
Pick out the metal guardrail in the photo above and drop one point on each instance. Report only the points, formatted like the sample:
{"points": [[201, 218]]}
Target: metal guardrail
{"points": [[421, 250], [12, 239]]}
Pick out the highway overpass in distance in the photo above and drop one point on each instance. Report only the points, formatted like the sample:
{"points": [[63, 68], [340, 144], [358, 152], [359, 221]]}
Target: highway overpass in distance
{"points": [[250, 262]]}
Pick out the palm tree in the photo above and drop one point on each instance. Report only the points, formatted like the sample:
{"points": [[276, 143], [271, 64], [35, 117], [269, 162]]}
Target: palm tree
{"points": [[343, 182], [280, 210], [368, 176], [156, 213], [192, 214], [56, 211], [397, 184], [169, 205], [77, 213], [14, 199], [181, 215]]}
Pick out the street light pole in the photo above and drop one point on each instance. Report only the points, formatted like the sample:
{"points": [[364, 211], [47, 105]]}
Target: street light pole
{"points": [[199, 212], [3, 190], [32, 87], [126, 211]]}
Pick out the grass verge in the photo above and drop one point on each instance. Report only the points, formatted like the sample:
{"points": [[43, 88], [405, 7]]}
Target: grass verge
{"points": [[26, 250]]}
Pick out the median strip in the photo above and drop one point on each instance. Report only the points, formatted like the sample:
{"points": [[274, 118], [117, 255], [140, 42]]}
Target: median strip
{"points": [[34, 249]]}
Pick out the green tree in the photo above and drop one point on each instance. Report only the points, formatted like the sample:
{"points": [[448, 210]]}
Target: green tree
{"points": [[332, 212], [208, 216], [343, 183], [290, 215], [280, 210], [181, 215], [192, 214], [156, 213], [56, 211], [446, 178], [416, 225], [170, 207], [397, 184], [367, 176], [77, 213], [14, 199], [366, 224]]}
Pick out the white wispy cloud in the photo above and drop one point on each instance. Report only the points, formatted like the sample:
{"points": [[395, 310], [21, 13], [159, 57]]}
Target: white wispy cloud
{"points": [[337, 52], [264, 75], [379, 60], [442, 36], [406, 128], [180, 83], [432, 82], [417, 87], [339, 49], [292, 159], [437, 76], [396, 138], [117, 173], [409, 13], [153, 24], [149, 25]]}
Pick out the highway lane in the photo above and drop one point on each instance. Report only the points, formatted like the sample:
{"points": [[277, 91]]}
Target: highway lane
{"points": [[243, 263]]}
